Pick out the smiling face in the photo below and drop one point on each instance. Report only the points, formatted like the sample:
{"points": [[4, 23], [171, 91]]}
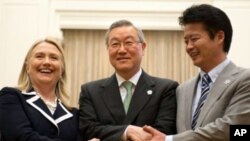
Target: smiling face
{"points": [[44, 66], [125, 50], [205, 52]]}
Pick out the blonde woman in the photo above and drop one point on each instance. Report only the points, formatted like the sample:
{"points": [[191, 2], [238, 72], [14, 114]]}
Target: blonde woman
{"points": [[36, 110]]}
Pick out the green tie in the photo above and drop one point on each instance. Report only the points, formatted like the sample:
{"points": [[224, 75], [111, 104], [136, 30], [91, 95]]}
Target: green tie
{"points": [[128, 87]]}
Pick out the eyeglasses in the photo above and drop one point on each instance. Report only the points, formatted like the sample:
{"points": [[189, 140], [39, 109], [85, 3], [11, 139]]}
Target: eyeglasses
{"points": [[126, 44]]}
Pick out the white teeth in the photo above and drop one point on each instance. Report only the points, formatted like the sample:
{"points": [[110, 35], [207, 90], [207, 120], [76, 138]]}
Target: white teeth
{"points": [[45, 70]]}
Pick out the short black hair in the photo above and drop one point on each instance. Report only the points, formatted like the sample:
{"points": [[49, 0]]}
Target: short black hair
{"points": [[212, 18]]}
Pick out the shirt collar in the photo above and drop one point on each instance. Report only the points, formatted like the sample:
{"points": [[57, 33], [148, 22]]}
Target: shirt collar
{"points": [[134, 79], [214, 73], [29, 93]]}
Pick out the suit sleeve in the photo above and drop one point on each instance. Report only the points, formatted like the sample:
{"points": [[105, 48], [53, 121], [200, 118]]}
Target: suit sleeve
{"points": [[166, 118], [14, 124], [237, 112], [89, 125]]}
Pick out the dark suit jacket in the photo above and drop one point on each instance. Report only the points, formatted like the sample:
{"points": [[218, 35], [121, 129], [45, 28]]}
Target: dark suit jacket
{"points": [[228, 103], [102, 113], [25, 117]]}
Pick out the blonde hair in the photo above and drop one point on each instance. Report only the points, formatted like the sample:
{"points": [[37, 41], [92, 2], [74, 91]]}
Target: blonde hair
{"points": [[24, 83]]}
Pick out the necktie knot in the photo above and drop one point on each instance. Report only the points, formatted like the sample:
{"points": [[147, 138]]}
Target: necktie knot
{"points": [[206, 80], [127, 85]]}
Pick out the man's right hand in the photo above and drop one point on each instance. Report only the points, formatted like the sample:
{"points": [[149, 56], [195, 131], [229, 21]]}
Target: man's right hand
{"points": [[156, 135], [135, 133]]}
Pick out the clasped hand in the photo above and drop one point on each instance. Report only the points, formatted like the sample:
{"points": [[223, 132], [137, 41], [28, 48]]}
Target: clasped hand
{"points": [[147, 133]]}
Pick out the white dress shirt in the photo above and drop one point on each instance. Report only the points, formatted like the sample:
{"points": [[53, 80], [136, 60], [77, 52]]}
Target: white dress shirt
{"points": [[134, 79]]}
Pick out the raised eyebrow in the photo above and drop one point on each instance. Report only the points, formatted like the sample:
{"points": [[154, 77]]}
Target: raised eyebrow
{"points": [[130, 37], [38, 53], [114, 39], [55, 54], [186, 38], [195, 35], [191, 36]]}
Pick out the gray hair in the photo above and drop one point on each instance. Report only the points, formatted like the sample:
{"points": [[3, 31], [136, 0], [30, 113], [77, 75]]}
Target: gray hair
{"points": [[121, 23]]}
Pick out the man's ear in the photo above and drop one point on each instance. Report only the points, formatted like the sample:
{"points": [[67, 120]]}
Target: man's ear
{"points": [[143, 45], [220, 36]]}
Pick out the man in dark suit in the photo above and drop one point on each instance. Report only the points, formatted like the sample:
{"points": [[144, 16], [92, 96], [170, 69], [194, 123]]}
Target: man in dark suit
{"points": [[104, 115], [219, 96]]}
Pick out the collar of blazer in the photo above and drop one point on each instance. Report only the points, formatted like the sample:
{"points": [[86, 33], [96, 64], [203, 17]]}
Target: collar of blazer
{"points": [[61, 113], [224, 80]]}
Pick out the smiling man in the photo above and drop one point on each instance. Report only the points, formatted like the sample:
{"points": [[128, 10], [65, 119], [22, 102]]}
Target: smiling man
{"points": [[116, 108], [219, 96]]}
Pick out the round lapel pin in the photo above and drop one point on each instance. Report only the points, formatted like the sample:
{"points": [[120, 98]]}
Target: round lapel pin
{"points": [[149, 92]]}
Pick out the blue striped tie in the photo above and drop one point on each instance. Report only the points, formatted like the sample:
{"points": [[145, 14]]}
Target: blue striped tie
{"points": [[206, 80]]}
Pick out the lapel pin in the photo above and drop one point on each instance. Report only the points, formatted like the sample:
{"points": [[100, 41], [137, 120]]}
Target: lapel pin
{"points": [[227, 81], [149, 92]]}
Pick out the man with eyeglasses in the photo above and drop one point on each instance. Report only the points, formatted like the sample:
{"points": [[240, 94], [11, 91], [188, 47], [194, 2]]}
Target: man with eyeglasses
{"points": [[116, 108]]}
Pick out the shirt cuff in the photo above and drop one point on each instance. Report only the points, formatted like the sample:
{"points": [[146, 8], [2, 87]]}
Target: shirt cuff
{"points": [[124, 135], [169, 138]]}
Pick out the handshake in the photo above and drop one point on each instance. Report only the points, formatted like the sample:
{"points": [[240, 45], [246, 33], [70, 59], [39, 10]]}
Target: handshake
{"points": [[136, 133], [146, 133]]}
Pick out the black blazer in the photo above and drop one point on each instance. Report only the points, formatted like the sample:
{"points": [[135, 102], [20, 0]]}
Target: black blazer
{"points": [[25, 117], [102, 114]]}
